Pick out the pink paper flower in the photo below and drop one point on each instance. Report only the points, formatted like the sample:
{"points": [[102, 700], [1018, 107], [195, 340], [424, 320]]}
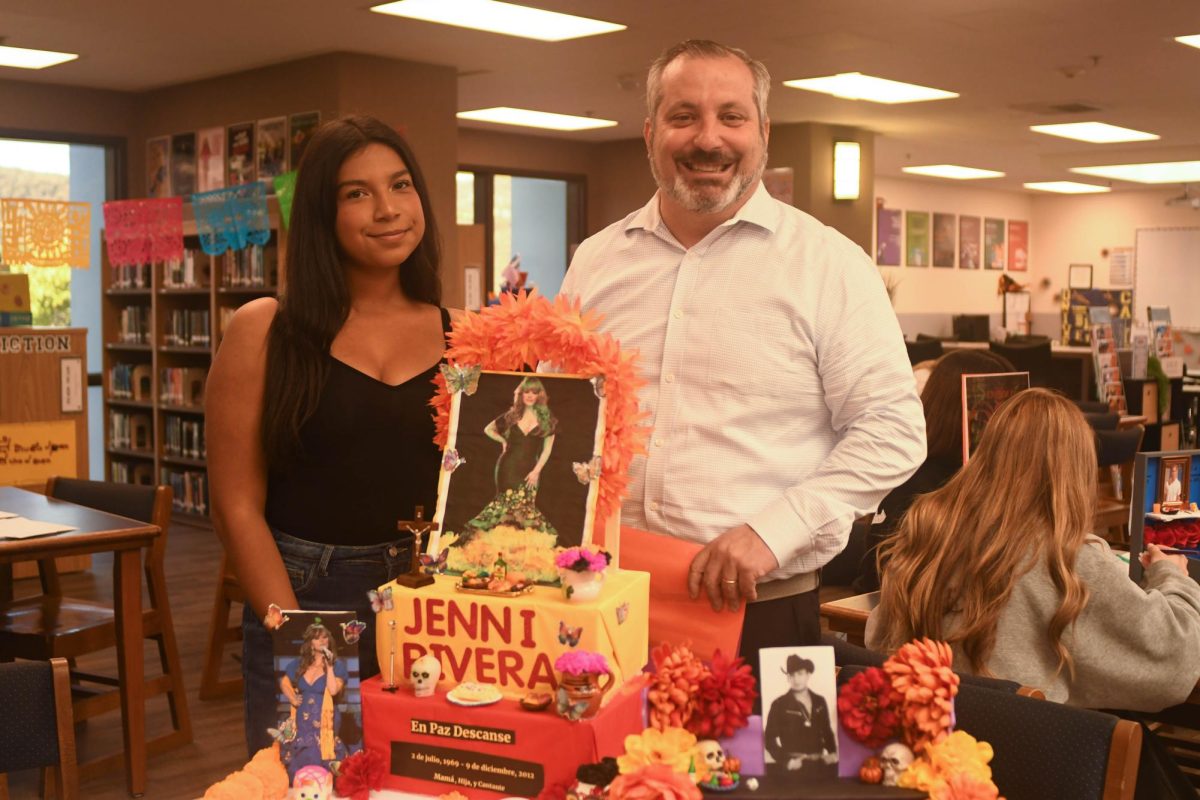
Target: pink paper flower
{"points": [[654, 782], [581, 559], [582, 662]]}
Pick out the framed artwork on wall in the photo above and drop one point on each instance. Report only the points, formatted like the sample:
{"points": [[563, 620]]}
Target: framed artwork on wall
{"points": [[916, 238]]}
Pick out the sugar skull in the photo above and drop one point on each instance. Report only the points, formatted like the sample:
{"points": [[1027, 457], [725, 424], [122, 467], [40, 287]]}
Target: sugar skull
{"points": [[711, 754], [425, 673], [894, 759], [312, 783]]}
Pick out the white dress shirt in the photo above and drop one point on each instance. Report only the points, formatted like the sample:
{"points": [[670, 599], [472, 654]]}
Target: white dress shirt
{"points": [[779, 388]]}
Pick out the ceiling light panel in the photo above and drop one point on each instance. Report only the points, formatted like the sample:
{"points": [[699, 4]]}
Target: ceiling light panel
{"points": [[1067, 187], [32, 59], [1161, 172], [496, 17], [856, 86], [1095, 132], [1190, 41], [953, 171], [535, 119]]}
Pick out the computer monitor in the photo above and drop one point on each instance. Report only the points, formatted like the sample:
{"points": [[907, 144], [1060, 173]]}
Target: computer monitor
{"points": [[1165, 485]]}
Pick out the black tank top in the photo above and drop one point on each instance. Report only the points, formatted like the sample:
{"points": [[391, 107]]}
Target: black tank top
{"points": [[367, 460]]}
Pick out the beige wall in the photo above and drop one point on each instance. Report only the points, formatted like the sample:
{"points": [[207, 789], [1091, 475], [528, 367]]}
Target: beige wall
{"points": [[1077, 230]]}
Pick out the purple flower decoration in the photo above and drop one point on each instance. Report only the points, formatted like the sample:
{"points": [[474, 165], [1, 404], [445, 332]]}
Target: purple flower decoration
{"points": [[582, 662], [582, 559]]}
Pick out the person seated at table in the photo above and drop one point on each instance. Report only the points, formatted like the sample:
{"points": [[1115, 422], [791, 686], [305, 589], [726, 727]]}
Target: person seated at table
{"points": [[942, 398], [1000, 563]]}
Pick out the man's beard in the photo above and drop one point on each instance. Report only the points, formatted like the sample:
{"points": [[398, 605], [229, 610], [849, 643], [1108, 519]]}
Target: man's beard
{"points": [[700, 199]]}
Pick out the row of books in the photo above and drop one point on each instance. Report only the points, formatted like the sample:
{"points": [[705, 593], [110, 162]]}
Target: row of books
{"points": [[129, 382], [182, 386], [252, 267], [188, 326], [190, 488], [184, 437], [131, 276], [138, 472], [190, 272], [130, 431], [133, 325]]}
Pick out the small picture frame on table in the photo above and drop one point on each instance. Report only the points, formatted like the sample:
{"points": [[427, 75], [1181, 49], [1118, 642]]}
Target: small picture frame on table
{"points": [[1173, 479], [799, 692]]}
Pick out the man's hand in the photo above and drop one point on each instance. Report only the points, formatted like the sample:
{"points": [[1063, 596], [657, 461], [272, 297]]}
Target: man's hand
{"points": [[728, 568]]}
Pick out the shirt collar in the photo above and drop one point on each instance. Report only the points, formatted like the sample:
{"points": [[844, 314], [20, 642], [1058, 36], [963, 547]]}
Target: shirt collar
{"points": [[761, 210]]}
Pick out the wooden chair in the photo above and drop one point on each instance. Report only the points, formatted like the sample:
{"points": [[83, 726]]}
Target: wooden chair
{"points": [[53, 626], [39, 731], [1115, 453], [220, 632]]}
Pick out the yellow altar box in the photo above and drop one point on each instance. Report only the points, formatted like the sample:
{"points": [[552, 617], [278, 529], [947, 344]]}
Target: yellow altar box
{"points": [[513, 642]]}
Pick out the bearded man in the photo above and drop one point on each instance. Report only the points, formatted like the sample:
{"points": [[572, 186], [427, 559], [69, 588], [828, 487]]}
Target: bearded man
{"points": [[781, 397]]}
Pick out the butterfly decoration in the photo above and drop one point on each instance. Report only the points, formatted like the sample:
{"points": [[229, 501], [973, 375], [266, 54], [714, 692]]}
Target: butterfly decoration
{"points": [[451, 460], [275, 618], [461, 379], [572, 711], [598, 385], [622, 613], [352, 630], [381, 601], [285, 733], [587, 471], [434, 566], [569, 635]]}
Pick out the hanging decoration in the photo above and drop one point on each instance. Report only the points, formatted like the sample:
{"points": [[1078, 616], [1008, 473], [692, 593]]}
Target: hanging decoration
{"points": [[146, 231], [232, 218], [285, 188], [46, 233]]}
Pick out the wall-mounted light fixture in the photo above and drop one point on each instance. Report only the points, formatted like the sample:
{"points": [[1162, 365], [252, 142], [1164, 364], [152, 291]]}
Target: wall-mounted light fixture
{"points": [[846, 170]]}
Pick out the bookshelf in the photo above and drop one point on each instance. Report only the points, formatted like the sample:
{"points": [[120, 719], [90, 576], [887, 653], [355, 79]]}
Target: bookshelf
{"points": [[161, 325]]}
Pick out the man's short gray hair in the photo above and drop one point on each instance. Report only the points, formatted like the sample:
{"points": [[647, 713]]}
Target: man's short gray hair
{"points": [[705, 48]]}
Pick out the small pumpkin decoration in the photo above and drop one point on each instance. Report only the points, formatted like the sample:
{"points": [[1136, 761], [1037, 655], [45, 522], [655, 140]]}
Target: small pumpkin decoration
{"points": [[733, 765], [871, 771]]}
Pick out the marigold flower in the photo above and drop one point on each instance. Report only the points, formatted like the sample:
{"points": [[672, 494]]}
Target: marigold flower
{"points": [[671, 747]]}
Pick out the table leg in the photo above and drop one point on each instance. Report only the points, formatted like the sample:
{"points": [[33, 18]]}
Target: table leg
{"points": [[6, 583], [127, 594]]}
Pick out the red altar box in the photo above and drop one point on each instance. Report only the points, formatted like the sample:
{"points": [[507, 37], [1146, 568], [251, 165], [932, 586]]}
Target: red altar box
{"points": [[489, 751]]}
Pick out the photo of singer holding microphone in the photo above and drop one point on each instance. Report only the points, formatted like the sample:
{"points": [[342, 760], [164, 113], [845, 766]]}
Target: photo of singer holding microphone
{"points": [[311, 686]]}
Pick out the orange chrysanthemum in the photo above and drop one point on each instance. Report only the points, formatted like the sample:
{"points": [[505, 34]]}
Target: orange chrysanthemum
{"points": [[526, 329], [921, 674], [674, 687]]}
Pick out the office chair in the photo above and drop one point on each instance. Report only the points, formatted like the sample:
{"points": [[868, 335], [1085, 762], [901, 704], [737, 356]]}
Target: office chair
{"points": [[1032, 358]]}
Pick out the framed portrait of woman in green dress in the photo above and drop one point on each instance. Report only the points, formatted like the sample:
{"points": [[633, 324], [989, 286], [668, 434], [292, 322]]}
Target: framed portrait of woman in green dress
{"points": [[519, 473]]}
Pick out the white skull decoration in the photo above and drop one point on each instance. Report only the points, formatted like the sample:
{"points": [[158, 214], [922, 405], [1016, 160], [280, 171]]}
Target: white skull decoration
{"points": [[425, 673], [711, 754], [894, 759]]}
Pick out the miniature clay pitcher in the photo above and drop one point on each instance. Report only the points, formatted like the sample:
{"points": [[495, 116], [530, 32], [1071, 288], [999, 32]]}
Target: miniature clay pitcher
{"points": [[580, 587], [584, 694]]}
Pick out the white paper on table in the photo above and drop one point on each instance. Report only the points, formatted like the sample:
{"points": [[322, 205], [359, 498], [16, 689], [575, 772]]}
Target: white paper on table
{"points": [[21, 528]]}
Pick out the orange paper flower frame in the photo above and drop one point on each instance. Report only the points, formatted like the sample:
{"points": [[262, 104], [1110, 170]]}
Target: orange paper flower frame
{"points": [[527, 329]]}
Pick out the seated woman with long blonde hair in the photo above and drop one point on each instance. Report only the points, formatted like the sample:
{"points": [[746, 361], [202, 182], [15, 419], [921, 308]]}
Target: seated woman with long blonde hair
{"points": [[1000, 563]]}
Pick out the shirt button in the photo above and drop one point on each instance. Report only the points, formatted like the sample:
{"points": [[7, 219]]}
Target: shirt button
{"points": [[658, 441], [393, 552], [654, 505], [670, 377], [677, 314]]}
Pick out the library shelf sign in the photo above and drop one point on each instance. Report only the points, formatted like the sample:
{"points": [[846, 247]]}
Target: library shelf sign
{"points": [[33, 451], [22, 343]]}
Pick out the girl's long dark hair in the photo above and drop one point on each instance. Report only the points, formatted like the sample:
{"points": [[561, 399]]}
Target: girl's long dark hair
{"points": [[317, 301]]}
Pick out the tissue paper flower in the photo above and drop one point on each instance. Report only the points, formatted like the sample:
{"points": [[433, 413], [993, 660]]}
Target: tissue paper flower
{"points": [[671, 747], [654, 782], [868, 708], [921, 674]]}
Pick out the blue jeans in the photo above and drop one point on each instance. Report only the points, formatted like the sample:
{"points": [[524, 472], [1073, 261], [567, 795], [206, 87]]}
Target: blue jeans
{"points": [[324, 577]]}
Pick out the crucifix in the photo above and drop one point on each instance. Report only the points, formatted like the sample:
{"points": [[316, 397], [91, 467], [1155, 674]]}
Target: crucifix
{"points": [[418, 527]]}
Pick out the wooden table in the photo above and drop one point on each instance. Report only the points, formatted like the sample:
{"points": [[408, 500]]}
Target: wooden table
{"points": [[97, 533], [849, 615]]}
